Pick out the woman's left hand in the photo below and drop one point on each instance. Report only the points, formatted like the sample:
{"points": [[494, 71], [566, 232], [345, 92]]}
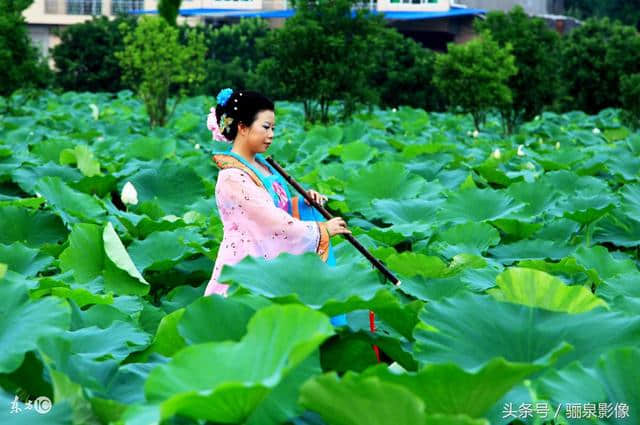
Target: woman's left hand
{"points": [[318, 197]]}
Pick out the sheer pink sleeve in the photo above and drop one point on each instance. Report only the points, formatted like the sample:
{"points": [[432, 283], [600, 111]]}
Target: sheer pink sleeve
{"points": [[249, 208]]}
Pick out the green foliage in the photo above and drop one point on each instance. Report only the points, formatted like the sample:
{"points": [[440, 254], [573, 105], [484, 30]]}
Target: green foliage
{"points": [[596, 56], [169, 9], [404, 72], [20, 64], [630, 99], [626, 11], [474, 76], [154, 61], [518, 257], [90, 69], [536, 52], [321, 55], [232, 55]]}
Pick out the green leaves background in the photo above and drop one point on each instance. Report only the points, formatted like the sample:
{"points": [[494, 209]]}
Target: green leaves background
{"points": [[520, 280]]}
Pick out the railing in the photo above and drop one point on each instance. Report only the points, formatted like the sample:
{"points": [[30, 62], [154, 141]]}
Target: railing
{"points": [[73, 7], [125, 6]]}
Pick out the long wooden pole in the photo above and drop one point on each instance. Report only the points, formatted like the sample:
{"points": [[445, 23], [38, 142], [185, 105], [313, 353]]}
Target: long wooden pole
{"points": [[386, 272]]}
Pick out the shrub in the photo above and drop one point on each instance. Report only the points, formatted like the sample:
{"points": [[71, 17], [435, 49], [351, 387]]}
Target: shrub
{"points": [[630, 98], [474, 76], [596, 55], [85, 58], [20, 64], [536, 52], [153, 61]]}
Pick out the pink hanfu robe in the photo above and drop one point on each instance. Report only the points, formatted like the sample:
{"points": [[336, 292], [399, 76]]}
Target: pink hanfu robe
{"points": [[260, 218]]}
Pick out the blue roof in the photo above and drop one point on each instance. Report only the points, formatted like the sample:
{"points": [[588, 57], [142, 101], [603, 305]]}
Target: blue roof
{"points": [[287, 13]]}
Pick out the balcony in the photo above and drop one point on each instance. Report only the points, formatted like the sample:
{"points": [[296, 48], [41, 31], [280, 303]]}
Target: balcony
{"points": [[73, 7]]}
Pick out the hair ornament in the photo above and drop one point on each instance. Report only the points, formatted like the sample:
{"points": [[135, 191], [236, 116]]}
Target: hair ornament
{"points": [[223, 96]]}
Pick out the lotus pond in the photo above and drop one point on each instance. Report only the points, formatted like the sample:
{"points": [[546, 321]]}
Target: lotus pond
{"points": [[520, 295]]}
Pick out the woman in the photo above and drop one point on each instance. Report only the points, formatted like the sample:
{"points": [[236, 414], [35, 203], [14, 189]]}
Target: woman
{"points": [[259, 216]]}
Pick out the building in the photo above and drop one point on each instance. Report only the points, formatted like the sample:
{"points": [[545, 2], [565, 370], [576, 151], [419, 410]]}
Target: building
{"points": [[434, 23]]}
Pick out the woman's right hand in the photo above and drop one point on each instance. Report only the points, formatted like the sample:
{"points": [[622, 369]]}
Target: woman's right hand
{"points": [[337, 226]]}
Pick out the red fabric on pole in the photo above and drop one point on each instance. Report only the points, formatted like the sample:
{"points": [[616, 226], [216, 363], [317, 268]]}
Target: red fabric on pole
{"points": [[372, 326]]}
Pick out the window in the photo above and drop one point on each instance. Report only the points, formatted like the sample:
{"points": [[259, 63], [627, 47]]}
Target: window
{"points": [[84, 7], [126, 6]]}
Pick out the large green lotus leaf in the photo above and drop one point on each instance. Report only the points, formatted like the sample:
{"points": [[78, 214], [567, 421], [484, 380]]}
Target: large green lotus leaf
{"points": [[516, 229], [619, 230], [281, 337], [448, 389], [33, 228], [409, 216], [559, 230], [163, 250], [24, 321], [151, 148], [116, 252], [356, 152], [24, 260], [382, 180], [537, 197], [3, 270], [28, 177], [570, 183], [613, 382], [530, 250], [460, 330], [626, 166], [415, 264], [307, 279], [625, 285], [171, 185], [83, 157], [535, 288], [282, 403], [631, 200], [115, 341], [49, 150], [60, 413], [73, 206], [585, 209], [85, 254], [167, 341], [428, 289], [356, 400], [469, 238], [478, 205], [600, 265], [227, 319]]}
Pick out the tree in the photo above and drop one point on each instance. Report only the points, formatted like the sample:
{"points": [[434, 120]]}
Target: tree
{"points": [[90, 69], [595, 56], [536, 51], [474, 76], [630, 98], [232, 54], [404, 72], [321, 55], [626, 11], [153, 62], [169, 9], [20, 63]]}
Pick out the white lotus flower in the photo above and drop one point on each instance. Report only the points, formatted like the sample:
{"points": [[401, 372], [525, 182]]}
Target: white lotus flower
{"points": [[129, 194], [95, 112], [197, 146], [496, 153], [521, 150], [530, 165], [38, 195], [596, 130], [557, 145], [475, 133], [537, 118], [393, 110]]}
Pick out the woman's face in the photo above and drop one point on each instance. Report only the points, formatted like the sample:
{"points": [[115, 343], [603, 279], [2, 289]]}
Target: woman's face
{"points": [[260, 135]]}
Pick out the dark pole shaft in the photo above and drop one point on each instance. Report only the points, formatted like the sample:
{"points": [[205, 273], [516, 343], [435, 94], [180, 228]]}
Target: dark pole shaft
{"points": [[387, 273]]}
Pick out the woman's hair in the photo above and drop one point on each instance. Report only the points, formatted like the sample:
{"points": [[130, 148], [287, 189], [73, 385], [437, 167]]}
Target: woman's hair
{"points": [[242, 106]]}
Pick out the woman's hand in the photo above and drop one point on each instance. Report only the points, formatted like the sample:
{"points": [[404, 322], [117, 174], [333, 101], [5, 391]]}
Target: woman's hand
{"points": [[319, 198], [337, 226]]}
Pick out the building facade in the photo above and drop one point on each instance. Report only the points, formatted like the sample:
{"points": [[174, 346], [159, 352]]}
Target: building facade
{"points": [[431, 22]]}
